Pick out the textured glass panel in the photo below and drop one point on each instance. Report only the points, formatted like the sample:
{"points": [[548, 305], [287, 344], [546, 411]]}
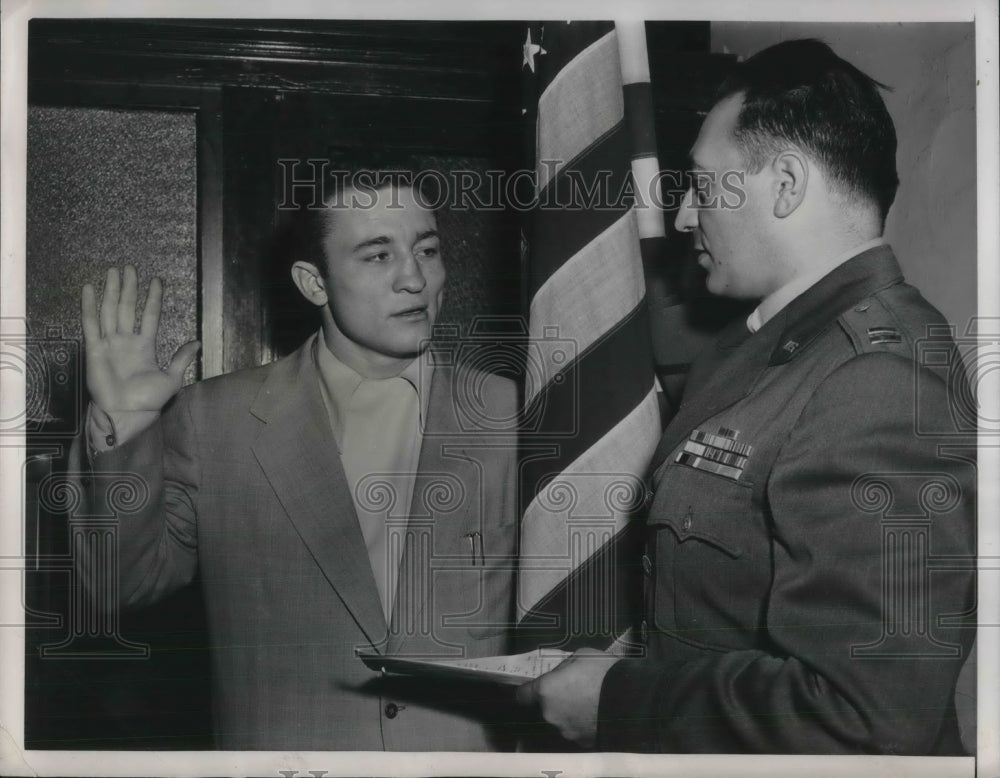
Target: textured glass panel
{"points": [[107, 187]]}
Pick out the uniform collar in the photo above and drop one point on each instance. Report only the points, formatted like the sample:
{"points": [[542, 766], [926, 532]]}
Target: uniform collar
{"points": [[778, 299], [846, 285]]}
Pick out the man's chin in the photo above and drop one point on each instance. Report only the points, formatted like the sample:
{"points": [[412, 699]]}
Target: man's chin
{"points": [[715, 285], [411, 349]]}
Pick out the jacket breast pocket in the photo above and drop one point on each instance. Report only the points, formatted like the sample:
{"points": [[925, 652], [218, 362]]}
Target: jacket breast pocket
{"points": [[477, 581], [712, 552]]}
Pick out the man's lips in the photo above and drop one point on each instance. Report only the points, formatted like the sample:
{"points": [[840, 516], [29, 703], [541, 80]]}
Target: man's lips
{"points": [[414, 312]]}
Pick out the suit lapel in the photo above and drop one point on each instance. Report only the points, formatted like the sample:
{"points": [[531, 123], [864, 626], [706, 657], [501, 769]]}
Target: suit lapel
{"points": [[298, 455]]}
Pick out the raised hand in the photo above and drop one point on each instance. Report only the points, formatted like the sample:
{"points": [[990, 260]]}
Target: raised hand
{"points": [[123, 377]]}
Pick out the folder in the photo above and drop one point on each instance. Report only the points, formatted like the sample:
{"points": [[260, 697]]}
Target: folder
{"points": [[510, 670]]}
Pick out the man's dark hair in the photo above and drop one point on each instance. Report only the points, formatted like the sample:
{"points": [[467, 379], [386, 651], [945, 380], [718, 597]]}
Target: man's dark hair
{"points": [[363, 171], [801, 92], [303, 229]]}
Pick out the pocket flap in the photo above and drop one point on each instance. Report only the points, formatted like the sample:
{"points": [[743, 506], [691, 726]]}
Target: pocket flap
{"points": [[701, 506]]}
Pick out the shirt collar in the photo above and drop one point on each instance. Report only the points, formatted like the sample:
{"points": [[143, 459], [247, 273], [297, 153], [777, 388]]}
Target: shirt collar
{"points": [[339, 382], [780, 298]]}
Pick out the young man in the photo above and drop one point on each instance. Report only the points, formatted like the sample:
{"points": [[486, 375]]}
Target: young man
{"points": [[790, 603], [327, 500]]}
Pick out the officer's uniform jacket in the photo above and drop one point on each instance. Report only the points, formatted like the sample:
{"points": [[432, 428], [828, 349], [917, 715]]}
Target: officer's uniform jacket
{"points": [[802, 520]]}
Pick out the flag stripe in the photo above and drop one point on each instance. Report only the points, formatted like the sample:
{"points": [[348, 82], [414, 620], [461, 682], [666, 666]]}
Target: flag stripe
{"points": [[562, 43], [582, 103], [586, 296], [603, 480], [559, 233], [602, 386], [550, 621]]}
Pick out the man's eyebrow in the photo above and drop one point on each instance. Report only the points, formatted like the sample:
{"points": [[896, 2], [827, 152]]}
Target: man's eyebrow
{"points": [[693, 164], [427, 234], [381, 240]]}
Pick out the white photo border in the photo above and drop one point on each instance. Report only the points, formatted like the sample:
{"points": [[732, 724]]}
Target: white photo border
{"points": [[13, 102]]}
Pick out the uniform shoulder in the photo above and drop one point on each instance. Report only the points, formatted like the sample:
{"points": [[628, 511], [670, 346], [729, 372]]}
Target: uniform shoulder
{"points": [[895, 320]]}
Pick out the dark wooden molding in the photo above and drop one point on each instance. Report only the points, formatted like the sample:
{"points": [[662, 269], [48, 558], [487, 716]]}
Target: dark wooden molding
{"points": [[445, 60]]}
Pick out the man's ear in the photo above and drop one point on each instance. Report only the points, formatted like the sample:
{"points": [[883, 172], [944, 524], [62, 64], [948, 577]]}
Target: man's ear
{"points": [[791, 175], [310, 282]]}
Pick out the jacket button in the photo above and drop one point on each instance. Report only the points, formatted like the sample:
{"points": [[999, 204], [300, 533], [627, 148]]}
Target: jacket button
{"points": [[647, 565], [391, 709], [643, 631], [688, 518]]}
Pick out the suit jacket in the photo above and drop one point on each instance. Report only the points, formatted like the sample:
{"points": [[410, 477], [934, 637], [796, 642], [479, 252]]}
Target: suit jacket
{"points": [[246, 487], [810, 548]]}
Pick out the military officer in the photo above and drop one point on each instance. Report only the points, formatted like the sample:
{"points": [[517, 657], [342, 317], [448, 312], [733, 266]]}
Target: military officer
{"points": [[790, 606]]}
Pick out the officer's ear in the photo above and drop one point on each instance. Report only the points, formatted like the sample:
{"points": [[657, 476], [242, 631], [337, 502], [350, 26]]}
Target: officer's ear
{"points": [[310, 282], [791, 177]]}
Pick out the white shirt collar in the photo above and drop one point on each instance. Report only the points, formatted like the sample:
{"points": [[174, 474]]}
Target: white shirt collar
{"points": [[778, 299], [339, 382]]}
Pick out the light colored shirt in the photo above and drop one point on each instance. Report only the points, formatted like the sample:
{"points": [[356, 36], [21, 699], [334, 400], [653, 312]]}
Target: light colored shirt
{"points": [[771, 305], [378, 428]]}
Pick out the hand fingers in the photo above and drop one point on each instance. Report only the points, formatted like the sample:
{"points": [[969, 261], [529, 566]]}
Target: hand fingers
{"points": [[88, 308], [126, 303], [185, 356], [109, 303], [151, 313], [527, 693]]}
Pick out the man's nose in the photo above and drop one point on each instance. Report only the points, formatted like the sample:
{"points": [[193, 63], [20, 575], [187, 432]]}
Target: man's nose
{"points": [[687, 215], [410, 277]]}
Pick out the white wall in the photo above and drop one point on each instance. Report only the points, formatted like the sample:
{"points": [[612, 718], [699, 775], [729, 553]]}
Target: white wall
{"points": [[931, 68]]}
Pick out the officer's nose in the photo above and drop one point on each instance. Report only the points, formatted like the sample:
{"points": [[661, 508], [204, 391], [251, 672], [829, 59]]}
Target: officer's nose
{"points": [[687, 215]]}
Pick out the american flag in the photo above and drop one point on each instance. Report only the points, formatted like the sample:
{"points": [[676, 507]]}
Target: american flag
{"points": [[591, 419]]}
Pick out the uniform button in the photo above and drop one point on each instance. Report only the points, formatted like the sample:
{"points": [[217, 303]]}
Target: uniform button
{"points": [[647, 498], [647, 565], [861, 308], [643, 631], [688, 518], [391, 709]]}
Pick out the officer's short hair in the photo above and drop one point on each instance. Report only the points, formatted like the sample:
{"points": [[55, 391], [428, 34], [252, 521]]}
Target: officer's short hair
{"points": [[799, 91]]}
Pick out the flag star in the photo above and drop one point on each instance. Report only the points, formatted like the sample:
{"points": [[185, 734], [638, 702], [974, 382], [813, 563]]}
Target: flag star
{"points": [[530, 50]]}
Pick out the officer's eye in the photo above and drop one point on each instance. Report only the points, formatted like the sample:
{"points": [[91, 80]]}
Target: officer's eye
{"points": [[699, 183], [381, 256]]}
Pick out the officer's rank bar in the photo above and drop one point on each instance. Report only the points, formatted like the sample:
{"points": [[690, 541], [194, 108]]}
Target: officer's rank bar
{"points": [[880, 335]]}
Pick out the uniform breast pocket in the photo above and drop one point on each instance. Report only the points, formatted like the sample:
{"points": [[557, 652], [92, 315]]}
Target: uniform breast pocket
{"points": [[709, 547]]}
